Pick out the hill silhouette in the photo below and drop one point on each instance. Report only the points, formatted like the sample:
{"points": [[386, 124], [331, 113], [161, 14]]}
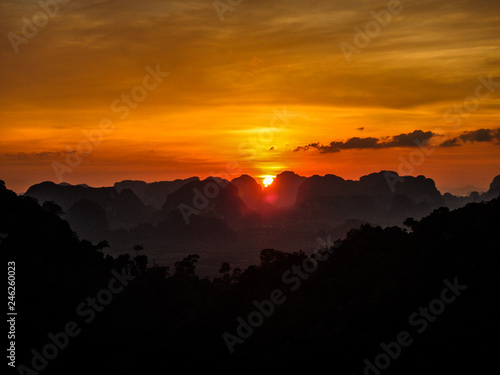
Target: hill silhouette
{"points": [[339, 312], [123, 209], [216, 216], [371, 198], [282, 193], [251, 193], [153, 193]]}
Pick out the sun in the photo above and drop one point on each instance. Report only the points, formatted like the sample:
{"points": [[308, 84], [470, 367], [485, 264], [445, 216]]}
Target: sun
{"points": [[267, 181]]}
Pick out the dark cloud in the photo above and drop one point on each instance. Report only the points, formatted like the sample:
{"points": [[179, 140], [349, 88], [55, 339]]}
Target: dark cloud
{"points": [[415, 139], [452, 142], [307, 147], [356, 142], [480, 135]]}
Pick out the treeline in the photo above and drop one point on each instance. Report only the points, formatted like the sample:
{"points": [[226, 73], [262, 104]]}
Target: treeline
{"points": [[291, 312]]}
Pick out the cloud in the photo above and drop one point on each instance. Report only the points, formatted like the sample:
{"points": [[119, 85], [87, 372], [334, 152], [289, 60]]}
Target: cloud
{"points": [[413, 139], [355, 143], [416, 138], [452, 142], [42, 154], [480, 135], [307, 147]]}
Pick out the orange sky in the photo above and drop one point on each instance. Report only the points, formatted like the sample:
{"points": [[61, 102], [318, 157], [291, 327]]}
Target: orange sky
{"points": [[248, 90]]}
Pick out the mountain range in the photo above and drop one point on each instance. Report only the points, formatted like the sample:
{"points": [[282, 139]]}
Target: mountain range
{"points": [[217, 216], [426, 295]]}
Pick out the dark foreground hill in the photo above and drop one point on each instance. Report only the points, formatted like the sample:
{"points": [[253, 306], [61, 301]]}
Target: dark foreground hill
{"points": [[424, 299]]}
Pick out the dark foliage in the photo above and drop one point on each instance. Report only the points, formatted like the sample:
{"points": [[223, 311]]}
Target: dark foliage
{"points": [[335, 313]]}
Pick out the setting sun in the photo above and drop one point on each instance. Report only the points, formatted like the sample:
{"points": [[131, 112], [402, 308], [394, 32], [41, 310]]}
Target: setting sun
{"points": [[268, 181]]}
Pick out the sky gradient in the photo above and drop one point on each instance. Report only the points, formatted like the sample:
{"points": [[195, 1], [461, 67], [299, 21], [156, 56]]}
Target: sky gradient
{"points": [[164, 90]]}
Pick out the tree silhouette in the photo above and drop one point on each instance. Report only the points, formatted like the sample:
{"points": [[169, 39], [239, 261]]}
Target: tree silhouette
{"points": [[141, 263], [186, 267], [236, 274], [53, 207], [225, 268], [138, 248], [101, 245]]}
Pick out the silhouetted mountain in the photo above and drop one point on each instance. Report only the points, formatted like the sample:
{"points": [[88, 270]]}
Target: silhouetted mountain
{"points": [[375, 185], [495, 185], [90, 220], [494, 190], [250, 192], [373, 198], [282, 193], [122, 209], [323, 186], [423, 300], [216, 215], [153, 193], [138, 187], [452, 201], [128, 210], [213, 197]]}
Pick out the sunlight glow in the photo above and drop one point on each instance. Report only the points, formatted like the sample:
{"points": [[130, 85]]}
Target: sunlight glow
{"points": [[268, 181]]}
